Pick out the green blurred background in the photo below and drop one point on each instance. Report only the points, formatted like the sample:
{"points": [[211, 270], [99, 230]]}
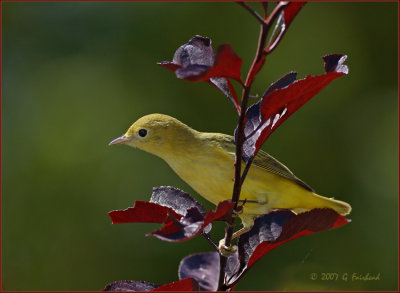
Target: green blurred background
{"points": [[76, 75]]}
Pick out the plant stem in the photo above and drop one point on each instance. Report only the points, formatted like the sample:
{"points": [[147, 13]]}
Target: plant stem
{"points": [[246, 169], [265, 8], [258, 62], [255, 14], [239, 145], [275, 41]]}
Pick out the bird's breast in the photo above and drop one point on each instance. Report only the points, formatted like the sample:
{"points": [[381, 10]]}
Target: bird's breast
{"points": [[210, 174]]}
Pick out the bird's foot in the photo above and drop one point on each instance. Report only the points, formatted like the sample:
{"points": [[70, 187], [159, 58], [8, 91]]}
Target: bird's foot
{"points": [[237, 213], [226, 250]]}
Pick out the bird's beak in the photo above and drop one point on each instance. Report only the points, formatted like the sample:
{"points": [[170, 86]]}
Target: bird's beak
{"points": [[120, 140]]}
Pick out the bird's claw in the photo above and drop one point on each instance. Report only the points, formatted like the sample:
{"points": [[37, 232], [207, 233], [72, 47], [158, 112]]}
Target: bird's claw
{"points": [[236, 213], [226, 250]]}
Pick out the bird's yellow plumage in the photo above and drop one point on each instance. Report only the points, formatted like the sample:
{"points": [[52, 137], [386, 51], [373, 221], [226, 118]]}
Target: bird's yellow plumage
{"points": [[205, 162]]}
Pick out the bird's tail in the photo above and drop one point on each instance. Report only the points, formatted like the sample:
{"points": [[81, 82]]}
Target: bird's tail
{"points": [[341, 207]]}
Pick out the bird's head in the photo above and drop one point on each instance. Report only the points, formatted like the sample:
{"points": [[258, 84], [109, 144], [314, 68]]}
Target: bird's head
{"points": [[158, 134]]}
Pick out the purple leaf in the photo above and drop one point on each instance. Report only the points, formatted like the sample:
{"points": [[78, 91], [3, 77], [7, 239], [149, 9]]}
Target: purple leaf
{"points": [[284, 81], [175, 199], [335, 63], [193, 223], [192, 72], [203, 267], [224, 85], [197, 51], [232, 268], [130, 286], [182, 285]]}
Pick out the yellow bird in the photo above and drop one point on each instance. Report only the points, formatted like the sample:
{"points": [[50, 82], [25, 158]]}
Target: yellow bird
{"points": [[205, 162]]}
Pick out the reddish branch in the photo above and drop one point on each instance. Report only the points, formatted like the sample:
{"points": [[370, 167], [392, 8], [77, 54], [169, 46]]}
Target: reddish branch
{"points": [[258, 62]]}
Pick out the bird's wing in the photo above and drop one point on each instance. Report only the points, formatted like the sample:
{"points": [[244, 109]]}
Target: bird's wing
{"points": [[263, 161], [269, 163]]}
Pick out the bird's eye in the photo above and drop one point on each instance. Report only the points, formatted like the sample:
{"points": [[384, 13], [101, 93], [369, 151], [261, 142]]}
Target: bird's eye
{"points": [[142, 132]]}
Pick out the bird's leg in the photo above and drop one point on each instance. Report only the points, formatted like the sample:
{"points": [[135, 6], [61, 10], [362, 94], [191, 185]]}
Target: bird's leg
{"points": [[240, 232], [227, 251], [236, 213]]}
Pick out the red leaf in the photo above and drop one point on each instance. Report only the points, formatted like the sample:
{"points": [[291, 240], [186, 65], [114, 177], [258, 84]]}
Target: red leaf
{"points": [[227, 64], [195, 61], [274, 229], [170, 228], [316, 220], [190, 226], [234, 99], [183, 217], [291, 98], [290, 11], [187, 284], [282, 99], [224, 209], [143, 212]]}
